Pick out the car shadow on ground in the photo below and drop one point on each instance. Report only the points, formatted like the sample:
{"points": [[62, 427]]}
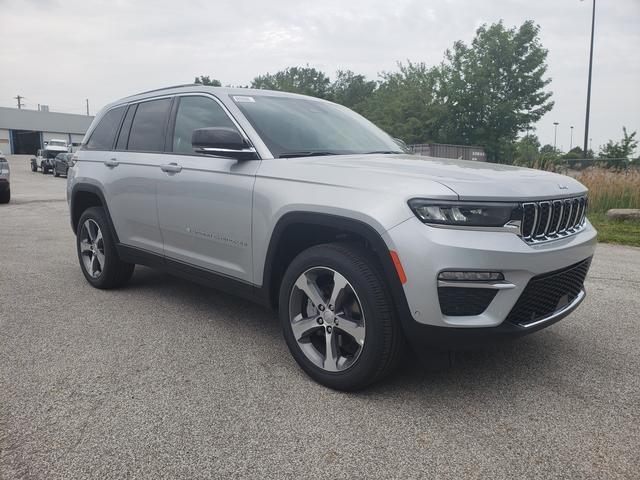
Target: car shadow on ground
{"points": [[510, 366]]}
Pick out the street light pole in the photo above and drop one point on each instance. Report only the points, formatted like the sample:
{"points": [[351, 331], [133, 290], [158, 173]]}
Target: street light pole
{"points": [[571, 141], [555, 134], [586, 121]]}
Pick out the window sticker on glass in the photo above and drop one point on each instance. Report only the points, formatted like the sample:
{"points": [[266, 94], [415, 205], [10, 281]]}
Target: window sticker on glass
{"points": [[243, 99]]}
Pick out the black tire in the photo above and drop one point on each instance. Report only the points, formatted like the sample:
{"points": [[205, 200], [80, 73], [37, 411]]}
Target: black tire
{"points": [[5, 196], [116, 273], [382, 347], [34, 168]]}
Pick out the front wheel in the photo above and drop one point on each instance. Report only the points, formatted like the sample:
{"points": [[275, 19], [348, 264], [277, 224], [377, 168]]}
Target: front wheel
{"points": [[5, 196], [337, 317], [99, 259]]}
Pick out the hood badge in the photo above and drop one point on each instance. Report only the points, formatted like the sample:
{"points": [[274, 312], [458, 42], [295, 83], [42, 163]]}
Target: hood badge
{"points": [[562, 187]]}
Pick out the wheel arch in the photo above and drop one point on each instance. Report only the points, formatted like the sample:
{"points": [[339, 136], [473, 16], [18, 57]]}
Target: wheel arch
{"points": [[87, 195], [314, 228]]}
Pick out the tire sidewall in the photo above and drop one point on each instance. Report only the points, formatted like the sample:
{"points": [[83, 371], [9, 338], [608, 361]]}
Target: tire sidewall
{"points": [[368, 363]]}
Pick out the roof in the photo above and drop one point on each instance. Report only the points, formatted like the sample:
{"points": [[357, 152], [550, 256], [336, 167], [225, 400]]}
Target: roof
{"points": [[21, 119], [198, 88]]}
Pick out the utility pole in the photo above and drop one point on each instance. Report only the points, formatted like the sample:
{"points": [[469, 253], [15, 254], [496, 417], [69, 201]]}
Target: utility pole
{"points": [[19, 98], [555, 134], [87, 107], [571, 141], [586, 120]]}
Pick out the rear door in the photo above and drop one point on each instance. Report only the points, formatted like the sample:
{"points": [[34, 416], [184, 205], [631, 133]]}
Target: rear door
{"points": [[133, 171], [204, 202]]}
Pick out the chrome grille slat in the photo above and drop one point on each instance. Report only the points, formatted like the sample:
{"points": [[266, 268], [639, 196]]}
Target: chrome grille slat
{"points": [[583, 214], [576, 217], [557, 216], [569, 205], [551, 219]]}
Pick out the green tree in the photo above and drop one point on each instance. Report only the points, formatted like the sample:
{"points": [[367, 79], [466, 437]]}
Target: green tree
{"points": [[304, 80], [527, 150], [352, 90], [205, 80], [494, 89], [405, 103], [622, 149]]}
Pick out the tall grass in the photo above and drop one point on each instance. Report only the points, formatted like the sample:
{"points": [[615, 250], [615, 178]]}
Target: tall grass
{"points": [[611, 189]]}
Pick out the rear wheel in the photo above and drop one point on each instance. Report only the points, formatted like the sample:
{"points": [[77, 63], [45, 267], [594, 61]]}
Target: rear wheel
{"points": [[97, 252], [337, 318], [5, 195]]}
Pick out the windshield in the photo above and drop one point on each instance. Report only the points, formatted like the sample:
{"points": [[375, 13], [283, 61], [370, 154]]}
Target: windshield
{"points": [[57, 143], [291, 126]]}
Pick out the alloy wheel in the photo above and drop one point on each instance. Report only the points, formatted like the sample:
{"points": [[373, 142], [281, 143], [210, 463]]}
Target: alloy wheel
{"points": [[92, 248], [327, 319]]}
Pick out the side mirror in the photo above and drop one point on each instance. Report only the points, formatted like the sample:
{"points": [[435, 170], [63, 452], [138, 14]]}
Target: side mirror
{"points": [[223, 142]]}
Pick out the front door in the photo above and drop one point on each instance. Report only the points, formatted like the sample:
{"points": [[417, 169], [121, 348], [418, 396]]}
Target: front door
{"points": [[204, 202]]}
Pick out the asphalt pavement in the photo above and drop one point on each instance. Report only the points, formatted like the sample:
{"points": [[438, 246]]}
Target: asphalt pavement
{"points": [[168, 379]]}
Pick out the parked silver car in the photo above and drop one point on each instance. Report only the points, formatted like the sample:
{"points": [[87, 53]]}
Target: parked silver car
{"points": [[5, 180], [307, 207]]}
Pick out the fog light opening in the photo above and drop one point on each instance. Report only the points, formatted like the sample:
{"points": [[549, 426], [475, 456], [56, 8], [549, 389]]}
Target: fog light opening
{"points": [[453, 276]]}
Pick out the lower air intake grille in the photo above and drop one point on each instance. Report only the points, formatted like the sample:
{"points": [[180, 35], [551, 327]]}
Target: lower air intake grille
{"points": [[547, 293], [461, 301]]}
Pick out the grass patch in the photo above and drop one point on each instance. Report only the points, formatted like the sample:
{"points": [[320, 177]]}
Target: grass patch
{"points": [[611, 189], [623, 232]]}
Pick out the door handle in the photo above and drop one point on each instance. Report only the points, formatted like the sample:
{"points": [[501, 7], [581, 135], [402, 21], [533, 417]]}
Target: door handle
{"points": [[112, 162], [171, 168]]}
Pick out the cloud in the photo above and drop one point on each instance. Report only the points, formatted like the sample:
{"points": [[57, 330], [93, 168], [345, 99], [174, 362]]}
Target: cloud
{"points": [[60, 53]]}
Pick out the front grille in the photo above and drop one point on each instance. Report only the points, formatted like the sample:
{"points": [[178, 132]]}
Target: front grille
{"points": [[552, 219], [547, 293], [462, 301]]}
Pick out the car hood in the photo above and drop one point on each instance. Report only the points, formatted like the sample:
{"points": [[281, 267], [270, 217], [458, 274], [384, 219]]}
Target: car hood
{"points": [[413, 175]]}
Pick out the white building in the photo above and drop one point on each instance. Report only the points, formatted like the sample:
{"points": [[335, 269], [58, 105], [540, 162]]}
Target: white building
{"points": [[25, 131]]}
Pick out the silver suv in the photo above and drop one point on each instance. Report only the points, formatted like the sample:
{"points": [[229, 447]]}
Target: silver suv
{"points": [[305, 206]]}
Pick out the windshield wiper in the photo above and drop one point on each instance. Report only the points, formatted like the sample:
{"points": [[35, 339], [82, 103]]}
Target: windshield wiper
{"points": [[308, 153]]}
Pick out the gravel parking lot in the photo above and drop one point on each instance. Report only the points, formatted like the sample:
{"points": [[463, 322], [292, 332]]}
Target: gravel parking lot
{"points": [[167, 379]]}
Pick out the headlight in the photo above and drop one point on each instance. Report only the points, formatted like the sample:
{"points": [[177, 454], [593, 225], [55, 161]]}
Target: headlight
{"points": [[471, 214]]}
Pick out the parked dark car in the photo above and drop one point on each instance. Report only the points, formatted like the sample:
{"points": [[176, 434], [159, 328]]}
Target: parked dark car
{"points": [[5, 174], [61, 164]]}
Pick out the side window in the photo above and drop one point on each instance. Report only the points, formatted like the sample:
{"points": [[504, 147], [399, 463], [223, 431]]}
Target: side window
{"points": [[193, 113], [123, 138], [147, 129], [104, 134]]}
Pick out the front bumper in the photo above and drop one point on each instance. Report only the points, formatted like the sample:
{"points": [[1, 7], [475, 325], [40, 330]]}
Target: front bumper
{"points": [[425, 251]]}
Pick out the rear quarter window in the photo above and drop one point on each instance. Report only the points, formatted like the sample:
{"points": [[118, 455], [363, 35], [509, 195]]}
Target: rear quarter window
{"points": [[105, 132]]}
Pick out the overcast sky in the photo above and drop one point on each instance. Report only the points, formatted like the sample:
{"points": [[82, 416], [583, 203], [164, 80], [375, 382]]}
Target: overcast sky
{"points": [[59, 52]]}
